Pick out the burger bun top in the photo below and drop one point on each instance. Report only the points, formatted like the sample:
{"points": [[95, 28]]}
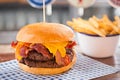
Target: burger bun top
{"points": [[44, 33]]}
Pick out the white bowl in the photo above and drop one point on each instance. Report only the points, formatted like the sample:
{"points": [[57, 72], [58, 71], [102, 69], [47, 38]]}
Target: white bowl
{"points": [[98, 47]]}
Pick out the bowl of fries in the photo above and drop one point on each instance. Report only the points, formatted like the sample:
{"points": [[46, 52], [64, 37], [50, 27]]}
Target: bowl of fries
{"points": [[97, 37]]}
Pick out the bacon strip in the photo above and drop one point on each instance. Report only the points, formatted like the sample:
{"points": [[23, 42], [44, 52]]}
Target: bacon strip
{"points": [[71, 44], [66, 60], [59, 59], [13, 44], [41, 49], [23, 51], [62, 60]]}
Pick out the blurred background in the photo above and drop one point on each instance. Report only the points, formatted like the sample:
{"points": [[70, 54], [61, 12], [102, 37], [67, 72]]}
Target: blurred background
{"points": [[14, 14]]}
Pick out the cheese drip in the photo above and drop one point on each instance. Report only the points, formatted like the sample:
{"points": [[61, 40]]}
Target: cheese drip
{"points": [[53, 47], [17, 49]]}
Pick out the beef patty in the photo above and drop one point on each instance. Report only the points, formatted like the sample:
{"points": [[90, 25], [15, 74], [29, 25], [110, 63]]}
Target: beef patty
{"points": [[35, 59], [34, 55]]}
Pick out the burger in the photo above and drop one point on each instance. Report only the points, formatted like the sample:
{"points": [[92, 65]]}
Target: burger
{"points": [[45, 48]]}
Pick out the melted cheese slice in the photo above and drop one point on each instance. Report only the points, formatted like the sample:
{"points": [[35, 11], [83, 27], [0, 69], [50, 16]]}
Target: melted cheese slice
{"points": [[17, 54], [53, 47]]}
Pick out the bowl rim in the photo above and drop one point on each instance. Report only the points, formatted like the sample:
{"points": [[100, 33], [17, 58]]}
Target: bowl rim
{"points": [[98, 35]]}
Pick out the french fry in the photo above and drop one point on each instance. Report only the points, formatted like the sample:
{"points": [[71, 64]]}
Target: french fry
{"points": [[84, 24], [117, 19], [104, 26], [74, 26], [70, 23], [103, 31], [93, 22], [112, 32], [83, 30], [95, 18], [115, 23], [105, 19]]}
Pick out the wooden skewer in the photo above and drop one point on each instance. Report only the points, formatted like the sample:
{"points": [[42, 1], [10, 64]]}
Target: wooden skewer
{"points": [[44, 18]]}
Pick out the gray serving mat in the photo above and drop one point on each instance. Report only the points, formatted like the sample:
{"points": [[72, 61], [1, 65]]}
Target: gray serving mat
{"points": [[84, 69]]}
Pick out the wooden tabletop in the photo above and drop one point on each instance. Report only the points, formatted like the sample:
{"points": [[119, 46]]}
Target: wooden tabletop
{"points": [[113, 61]]}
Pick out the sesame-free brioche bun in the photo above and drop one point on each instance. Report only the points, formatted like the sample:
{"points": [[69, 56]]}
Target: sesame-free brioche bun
{"points": [[45, 32], [48, 71]]}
